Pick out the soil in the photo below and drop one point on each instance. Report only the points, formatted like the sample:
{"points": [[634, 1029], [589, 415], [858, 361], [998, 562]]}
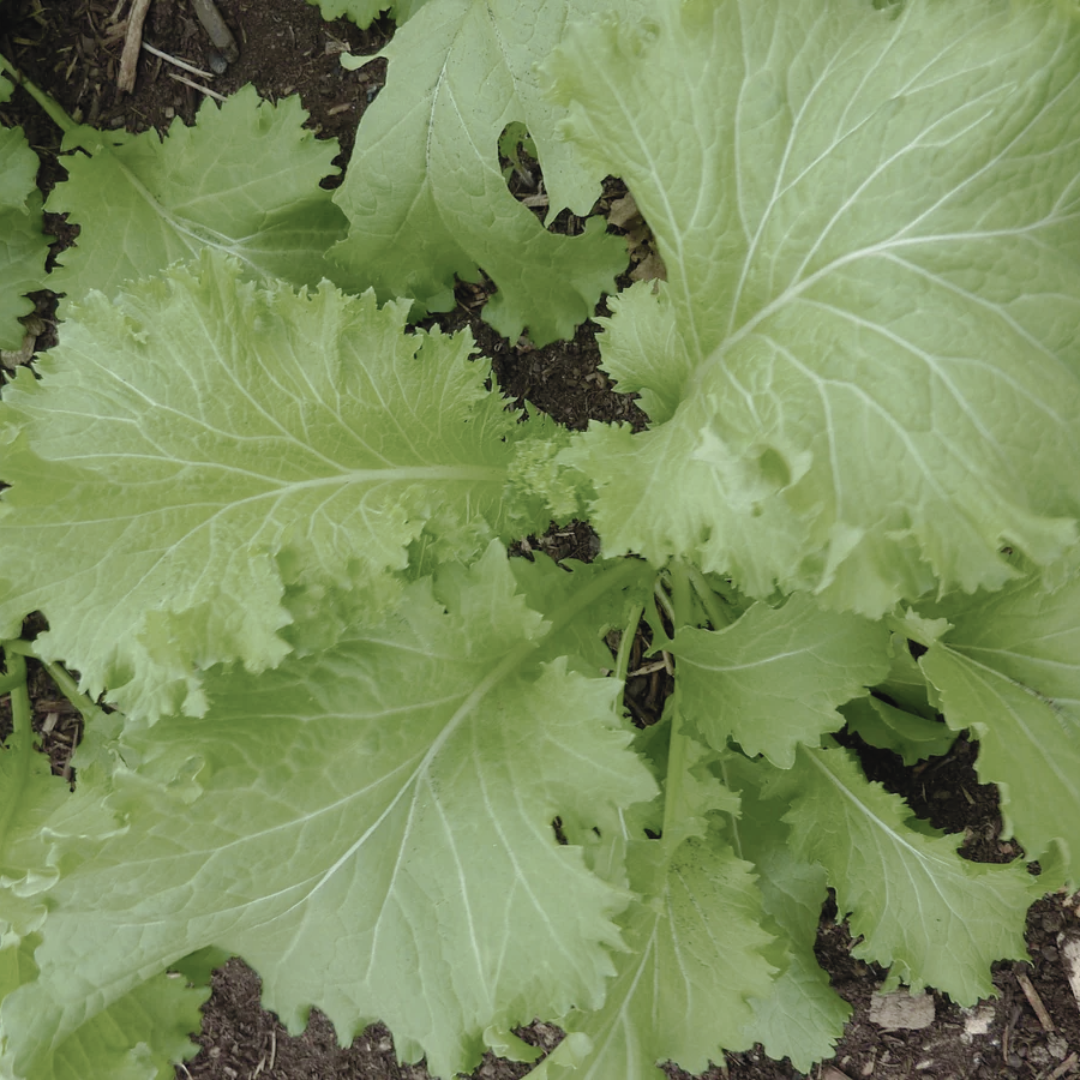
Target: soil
{"points": [[71, 49]]}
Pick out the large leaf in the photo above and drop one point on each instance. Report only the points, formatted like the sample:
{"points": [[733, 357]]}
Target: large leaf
{"points": [[424, 192], [1008, 668], [244, 180], [371, 828], [937, 919], [864, 357], [200, 444], [22, 245]]}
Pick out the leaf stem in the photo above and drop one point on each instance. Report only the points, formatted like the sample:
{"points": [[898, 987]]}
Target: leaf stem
{"points": [[59, 675], [674, 811], [712, 603], [21, 738], [55, 112], [626, 643], [681, 596], [14, 683]]}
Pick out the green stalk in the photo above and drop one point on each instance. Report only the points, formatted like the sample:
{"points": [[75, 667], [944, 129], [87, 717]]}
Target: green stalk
{"points": [[682, 603], [55, 113], [22, 742], [682, 598], [626, 643], [674, 809], [712, 603], [67, 685], [14, 683]]}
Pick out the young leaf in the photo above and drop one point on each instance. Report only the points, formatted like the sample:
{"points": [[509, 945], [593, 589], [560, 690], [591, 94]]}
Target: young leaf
{"points": [[1008, 667], [802, 1016], [913, 737], [22, 245], [868, 324], [774, 678], [371, 828], [198, 444], [424, 195], [695, 955], [244, 180], [935, 918]]}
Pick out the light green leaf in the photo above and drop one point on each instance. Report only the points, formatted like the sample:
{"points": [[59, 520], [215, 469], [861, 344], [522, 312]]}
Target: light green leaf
{"points": [[1009, 669], [696, 955], [935, 918], [913, 737], [774, 678], [364, 12], [548, 587], [201, 443], [864, 357], [424, 193], [22, 245], [802, 1017], [244, 180], [29, 796], [371, 828], [138, 1037], [906, 684]]}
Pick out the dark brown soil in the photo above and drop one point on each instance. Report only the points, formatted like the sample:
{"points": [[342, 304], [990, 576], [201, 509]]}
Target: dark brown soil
{"points": [[68, 49]]}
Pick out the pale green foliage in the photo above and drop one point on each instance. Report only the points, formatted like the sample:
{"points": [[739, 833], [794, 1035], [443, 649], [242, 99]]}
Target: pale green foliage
{"points": [[139, 1035], [425, 196], [390, 767], [802, 1015], [1008, 668], [679, 993], [244, 181], [207, 443], [942, 920], [363, 12], [367, 829], [864, 355], [773, 679], [29, 797], [22, 246]]}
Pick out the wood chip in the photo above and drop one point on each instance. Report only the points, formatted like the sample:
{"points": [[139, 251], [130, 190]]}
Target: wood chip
{"points": [[132, 45], [1068, 1064], [1070, 956], [1035, 1001], [220, 35]]}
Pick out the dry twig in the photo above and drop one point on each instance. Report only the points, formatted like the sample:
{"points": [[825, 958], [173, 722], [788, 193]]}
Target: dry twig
{"points": [[177, 62], [132, 44], [196, 86], [1035, 1001]]}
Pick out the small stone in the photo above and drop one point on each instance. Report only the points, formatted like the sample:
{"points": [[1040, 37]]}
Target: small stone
{"points": [[977, 1022], [900, 1010]]}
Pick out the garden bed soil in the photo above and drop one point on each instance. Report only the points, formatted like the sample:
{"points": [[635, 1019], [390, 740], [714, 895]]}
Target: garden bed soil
{"points": [[1031, 1030]]}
